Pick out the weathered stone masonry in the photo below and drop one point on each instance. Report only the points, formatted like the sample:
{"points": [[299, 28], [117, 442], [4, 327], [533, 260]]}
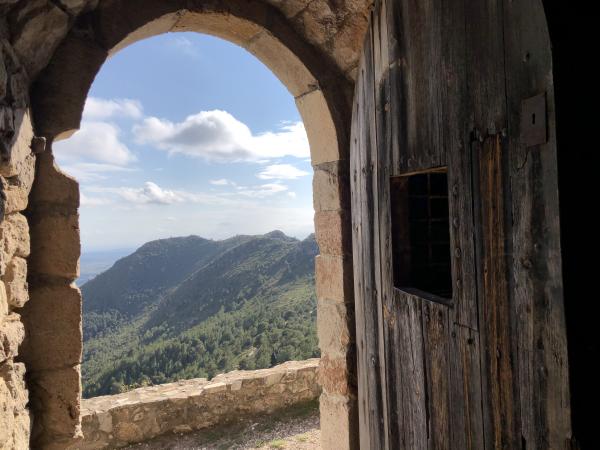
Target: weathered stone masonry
{"points": [[136, 416], [50, 51]]}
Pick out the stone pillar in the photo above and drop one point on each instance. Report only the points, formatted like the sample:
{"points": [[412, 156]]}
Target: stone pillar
{"points": [[334, 282], [53, 345]]}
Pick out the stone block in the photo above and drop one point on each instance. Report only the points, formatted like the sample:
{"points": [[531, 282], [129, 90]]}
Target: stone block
{"points": [[12, 333], [320, 129], [331, 187], [346, 51], [20, 146], [333, 232], [40, 25], [334, 327], [337, 374], [15, 282], [55, 404], [317, 22], [13, 375], [215, 388], [53, 318], [15, 421], [117, 20], [53, 186], [339, 422], [283, 63], [17, 188], [14, 234], [55, 244], [220, 24], [334, 278], [273, 378], [64, 86], [290, 8], [155, 27]]}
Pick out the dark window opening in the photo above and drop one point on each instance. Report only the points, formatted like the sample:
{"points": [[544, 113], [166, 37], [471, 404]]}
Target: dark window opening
{"points": [[421, 233]]}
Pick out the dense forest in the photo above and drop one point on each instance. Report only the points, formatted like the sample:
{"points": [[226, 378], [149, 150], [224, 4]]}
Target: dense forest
{"points": [[192, 307]]}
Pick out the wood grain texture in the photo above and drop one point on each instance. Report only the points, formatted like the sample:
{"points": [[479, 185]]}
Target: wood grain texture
{"points": [[536, 264], [500, 420], [437, 87], [370, 387]]}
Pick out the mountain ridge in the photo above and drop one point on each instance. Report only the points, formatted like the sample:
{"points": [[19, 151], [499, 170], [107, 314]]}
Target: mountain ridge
{"points": [[243, 302]]}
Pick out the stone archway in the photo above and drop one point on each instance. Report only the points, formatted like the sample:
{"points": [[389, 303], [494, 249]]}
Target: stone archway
{"points": [[323, 92]]}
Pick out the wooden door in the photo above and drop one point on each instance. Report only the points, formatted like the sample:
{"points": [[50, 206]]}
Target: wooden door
{"points": [[459, 310]]}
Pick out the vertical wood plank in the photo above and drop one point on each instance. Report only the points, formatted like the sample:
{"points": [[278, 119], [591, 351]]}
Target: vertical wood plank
{"points": [[415, 54], [371, 407], [407, 345], [466, 422], [486, 102], [382, 192], [538, 291], [436, 360], [501, 418], [456, 135]]}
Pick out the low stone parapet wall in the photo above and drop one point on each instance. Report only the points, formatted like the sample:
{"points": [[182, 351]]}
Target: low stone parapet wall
{"points": [[141, 414]]}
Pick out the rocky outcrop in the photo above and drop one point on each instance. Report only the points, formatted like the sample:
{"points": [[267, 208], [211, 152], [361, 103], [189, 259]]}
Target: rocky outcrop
{"points": [[142, 414]]}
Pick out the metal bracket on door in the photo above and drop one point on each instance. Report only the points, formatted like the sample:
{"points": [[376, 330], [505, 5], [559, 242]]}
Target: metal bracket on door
{"points": [[534, 130]]}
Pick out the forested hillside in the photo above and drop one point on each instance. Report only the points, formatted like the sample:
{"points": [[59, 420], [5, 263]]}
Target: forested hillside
{"points": [[191, 307]]}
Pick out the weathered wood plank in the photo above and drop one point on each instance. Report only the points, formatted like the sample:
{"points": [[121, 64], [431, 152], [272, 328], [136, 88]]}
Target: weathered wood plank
{"points": [[410, 394], [432, 91], [536, 266], [466, 421], [500, 417], [381, 188], [436, 360], [371, 407], [486, 102], [415, 49], [455, 135]]}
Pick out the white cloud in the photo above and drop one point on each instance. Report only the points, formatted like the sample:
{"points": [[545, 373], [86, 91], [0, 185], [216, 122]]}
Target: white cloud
{"points": [[292, 194], [184, 45], [222, 182], [262, 191], [281, 172], [98, 141], [87, 172], [152, 193], [104, 109], [218, 136], [84, 200]]}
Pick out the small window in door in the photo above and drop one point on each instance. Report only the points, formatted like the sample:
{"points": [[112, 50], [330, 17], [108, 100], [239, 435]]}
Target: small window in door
{"points": [[421, 234]]}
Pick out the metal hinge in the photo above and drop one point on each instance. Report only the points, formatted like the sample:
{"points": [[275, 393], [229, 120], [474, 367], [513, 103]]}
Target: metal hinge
{"points": [[534, 129]]}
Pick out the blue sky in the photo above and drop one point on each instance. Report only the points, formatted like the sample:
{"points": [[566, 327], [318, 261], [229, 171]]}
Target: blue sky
{"points": [[188, 134]]}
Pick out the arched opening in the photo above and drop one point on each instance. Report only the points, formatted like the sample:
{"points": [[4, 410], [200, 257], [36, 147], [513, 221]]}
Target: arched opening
{"points": [[322, 95], [160, 213]]}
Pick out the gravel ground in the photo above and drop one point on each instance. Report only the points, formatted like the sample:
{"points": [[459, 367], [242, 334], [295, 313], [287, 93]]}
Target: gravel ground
{"points": [[297, 429]]}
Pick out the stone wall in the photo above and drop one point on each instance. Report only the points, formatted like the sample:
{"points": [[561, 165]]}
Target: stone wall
{"points": [[136, 416], [17, 163], [51, 50]]}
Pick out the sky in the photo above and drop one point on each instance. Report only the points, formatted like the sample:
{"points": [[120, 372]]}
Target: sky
{"points": [[185, 134]]}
